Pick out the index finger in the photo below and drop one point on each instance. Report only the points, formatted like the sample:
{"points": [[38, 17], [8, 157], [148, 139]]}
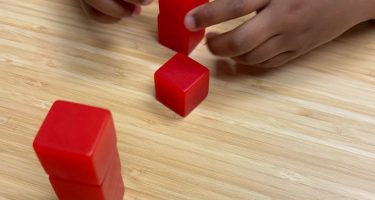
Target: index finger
{"points": [[112, 8], [221, 10]]}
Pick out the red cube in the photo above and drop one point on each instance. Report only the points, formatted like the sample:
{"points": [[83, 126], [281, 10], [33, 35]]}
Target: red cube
{"points": [[74, 142], [176, 37], [181, 84], [112, 187], [176, 10]]}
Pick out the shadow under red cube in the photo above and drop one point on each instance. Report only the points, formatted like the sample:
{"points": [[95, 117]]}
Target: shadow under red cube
{"points": [[181, 84], [75, 142], [176, 37], [112, 187]]}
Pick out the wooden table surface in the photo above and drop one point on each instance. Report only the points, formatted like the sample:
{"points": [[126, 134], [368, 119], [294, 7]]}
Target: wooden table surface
{"points": [[305, 131]]}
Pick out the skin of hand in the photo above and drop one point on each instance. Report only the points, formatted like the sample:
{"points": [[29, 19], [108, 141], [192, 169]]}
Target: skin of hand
{"points": [[111, 11], [281, 31]]}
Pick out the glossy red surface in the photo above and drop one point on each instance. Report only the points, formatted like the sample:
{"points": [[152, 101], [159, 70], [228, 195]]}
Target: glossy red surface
{"points": [[177, 9], [112, 187], [181, 84], [172, 31], [176, 37], [74, 142]]}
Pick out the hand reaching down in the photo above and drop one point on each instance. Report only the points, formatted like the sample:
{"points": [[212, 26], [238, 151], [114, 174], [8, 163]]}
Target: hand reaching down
{"points": [[281, 31]]}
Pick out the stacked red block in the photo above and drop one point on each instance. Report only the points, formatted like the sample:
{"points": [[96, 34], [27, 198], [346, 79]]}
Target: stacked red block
{"points": [[76, 146], [172, 31], [181, 84]]}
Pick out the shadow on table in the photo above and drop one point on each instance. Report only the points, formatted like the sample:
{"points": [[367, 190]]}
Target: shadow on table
{"points": [[226, 69]]}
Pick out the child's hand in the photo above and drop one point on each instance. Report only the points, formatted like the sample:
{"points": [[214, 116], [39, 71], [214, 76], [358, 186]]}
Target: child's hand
{"points": [[282, 29], [110, 11]]}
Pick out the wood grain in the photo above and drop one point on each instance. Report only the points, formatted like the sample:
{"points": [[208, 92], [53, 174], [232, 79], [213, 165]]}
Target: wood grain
{"points": [[304, 131]]}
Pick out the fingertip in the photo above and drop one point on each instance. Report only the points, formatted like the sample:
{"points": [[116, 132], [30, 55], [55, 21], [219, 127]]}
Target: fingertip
{"points": [[211, 35], [190, 23], [210, 41], [136, 11], [97, 15]]}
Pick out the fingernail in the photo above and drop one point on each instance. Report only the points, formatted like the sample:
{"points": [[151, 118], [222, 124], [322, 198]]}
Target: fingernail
{"points": [[136, 11], [190, 22]]}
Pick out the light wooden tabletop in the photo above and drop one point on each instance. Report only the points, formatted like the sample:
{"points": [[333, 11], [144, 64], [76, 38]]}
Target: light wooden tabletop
{"points": [[305, 131]]}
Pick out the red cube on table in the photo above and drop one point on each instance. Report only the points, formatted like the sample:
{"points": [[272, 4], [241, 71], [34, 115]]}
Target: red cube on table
{"points": [[76, 142], [172, 31], [181, 84], [112, 187]]}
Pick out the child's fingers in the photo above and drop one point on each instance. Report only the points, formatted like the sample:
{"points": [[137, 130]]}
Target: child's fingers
{"points": [[271, 48], [112, 8], [97, 15], [139, 2], [244, 38], [278, 60], [221, 10]]}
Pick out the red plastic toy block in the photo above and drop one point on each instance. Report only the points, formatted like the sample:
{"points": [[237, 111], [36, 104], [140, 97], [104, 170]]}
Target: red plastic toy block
{"points": [[112, 187], [181, 84], [176, 37], [176, 10], [172, 31], [74, 142]]}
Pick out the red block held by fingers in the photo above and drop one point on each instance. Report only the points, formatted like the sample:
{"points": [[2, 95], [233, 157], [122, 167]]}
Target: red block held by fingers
{"points": [[75, 141], [181, 84], [176, 37], [172, 31], [177, 9]]}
